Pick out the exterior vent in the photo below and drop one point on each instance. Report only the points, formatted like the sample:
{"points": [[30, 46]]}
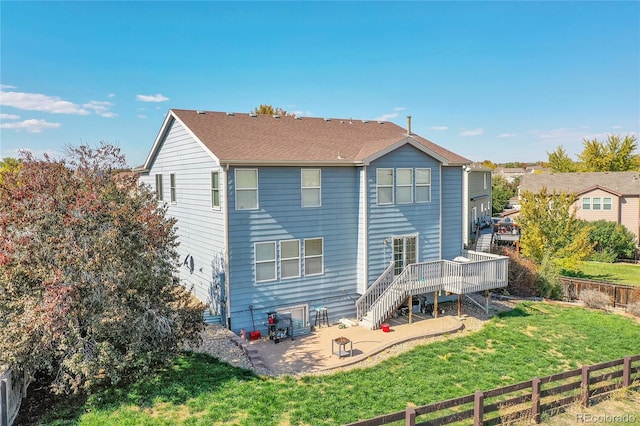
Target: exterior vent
{"points": [[199, 112], [380, 122], [253, 114], [365, 121], [276, 115], [297, 117], [327, 119], [230, 113]]}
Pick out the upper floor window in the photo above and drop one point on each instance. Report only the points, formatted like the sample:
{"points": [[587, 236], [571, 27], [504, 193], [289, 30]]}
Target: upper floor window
{"points": [[595, 203], [484, 175], [265, 261], [290, 258], [313, 256], [215, 190], [423, 185], [405, 186], [311, 187], [246, 189], [586, 203], [159, 187], [172, 187], [606, 203], [384, 186]]}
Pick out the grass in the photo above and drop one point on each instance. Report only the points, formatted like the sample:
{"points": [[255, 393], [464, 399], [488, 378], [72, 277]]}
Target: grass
{"points": [[619, 273], [535, 339]]}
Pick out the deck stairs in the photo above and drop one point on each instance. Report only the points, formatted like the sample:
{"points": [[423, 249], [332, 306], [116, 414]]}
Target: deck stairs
{"points": [[472, 272], [483, 243]]}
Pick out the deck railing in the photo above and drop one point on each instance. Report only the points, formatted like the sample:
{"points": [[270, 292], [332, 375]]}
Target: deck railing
{"points": [[479, 271]]}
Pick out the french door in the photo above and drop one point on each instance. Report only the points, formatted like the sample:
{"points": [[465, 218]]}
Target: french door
{"points": [[405, 252]]}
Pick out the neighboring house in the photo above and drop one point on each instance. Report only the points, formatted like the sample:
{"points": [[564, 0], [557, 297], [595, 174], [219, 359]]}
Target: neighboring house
{"points": [[289, 214], [477, 200], [612, 196]]}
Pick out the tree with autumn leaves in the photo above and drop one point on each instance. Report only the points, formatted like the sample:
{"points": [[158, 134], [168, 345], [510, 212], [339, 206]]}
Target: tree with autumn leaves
{"points": [[88, 292]]}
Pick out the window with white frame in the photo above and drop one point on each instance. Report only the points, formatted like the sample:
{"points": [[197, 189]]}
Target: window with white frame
{"points": [[246, 189], [313, 256], [172, 187], [159, 187], [384, 186], [595, 203], [215, 190], [484, 175], [423, 185], [586, 203], [606, 203], [404, 189], [311, 187], [265, 261], [289, 258]]}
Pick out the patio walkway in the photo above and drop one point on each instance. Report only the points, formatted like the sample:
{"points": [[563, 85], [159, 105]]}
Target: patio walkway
{"points": [[313, 352]]}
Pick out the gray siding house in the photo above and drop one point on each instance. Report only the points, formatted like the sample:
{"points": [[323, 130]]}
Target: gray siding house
{"points": [[289, 214]]}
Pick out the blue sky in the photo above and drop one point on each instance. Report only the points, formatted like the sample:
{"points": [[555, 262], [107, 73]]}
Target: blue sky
{"points": [[504, 81]]}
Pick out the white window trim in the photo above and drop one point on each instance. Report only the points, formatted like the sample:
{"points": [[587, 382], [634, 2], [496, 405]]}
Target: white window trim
{"points": [[173, 188], [599, 204], [410, 185], [610, 205], [423, 185], [302, 188], [305, 257], [159, 189], [214, 207], [256, 262], [378, 186], [235, 174], [282, 258], [586, 206]]}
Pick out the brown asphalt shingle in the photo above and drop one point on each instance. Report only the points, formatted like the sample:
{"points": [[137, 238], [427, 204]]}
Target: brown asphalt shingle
{"points": [[241, 137], [622, 183]]}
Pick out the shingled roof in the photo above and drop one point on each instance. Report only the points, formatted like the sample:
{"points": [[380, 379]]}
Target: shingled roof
{"points": [[241, 138], [620, 183]]}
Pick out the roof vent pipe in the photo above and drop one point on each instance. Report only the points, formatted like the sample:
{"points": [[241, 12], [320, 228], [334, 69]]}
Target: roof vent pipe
{"points": [[408, 124]]}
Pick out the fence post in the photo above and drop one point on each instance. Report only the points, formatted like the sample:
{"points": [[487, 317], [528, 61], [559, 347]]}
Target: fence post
{"points": [[626, 371], [478, 408], [584, 400], [410, 417], [615, 293], [4, 409], [535, 400]]}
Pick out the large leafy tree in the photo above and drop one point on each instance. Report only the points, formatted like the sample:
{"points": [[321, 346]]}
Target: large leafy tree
{"points": [[269, 109], [560, 162], [87, 262], [550, 230], [612, 241], [501, 193], [616, 154]]}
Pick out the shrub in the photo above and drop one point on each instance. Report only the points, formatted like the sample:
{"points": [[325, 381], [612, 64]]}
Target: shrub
{"points": [[634, 309], [522, 273], [547, 281], [594, 299]]}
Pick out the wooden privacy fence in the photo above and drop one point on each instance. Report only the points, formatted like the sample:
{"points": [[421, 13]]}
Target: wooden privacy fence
{"points": [[522, 401], [13, 387], [621, 295]]}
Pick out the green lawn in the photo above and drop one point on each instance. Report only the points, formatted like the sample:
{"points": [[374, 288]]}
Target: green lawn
{"points": [[535, 339], [619, 273]]}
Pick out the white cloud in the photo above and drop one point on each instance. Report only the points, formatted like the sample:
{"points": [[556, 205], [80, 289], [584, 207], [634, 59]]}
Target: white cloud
{"points": [[386, 117], [9, 117], [101, 108], [616, 127], [439, 128], [152, 98], [31, 126], [111, 95], [39, 102], [474, 132], [507, 135], [7, 86], [141, 116], [399, 109]]}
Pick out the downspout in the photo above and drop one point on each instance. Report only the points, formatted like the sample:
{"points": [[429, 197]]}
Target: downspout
{"points": [[225, 224], [441, 234], [365, 197]]}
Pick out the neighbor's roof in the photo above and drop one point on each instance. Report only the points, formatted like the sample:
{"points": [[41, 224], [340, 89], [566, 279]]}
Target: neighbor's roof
{"points": [[241, 138], [620, 183]]}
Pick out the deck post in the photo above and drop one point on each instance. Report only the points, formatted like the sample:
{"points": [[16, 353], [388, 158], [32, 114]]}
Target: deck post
{"points": [[435, 304], [459, 305], [486, 302], [410, 308]]}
